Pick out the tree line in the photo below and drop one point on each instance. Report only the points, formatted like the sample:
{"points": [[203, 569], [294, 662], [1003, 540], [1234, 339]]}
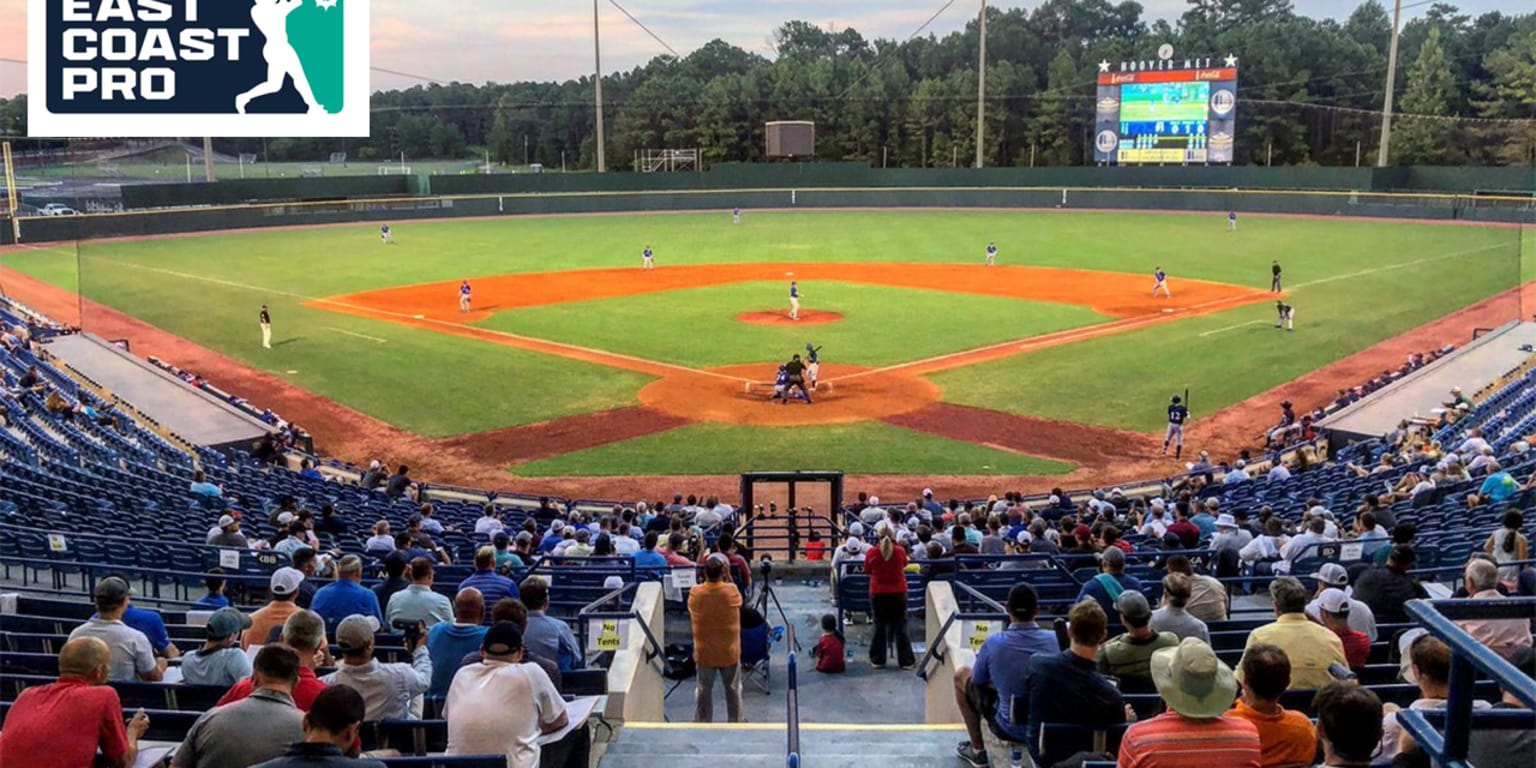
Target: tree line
{"points": [[1310, 92]]}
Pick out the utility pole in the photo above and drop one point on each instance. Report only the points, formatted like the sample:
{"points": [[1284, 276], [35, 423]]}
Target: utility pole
{"points": [[981, 85], [597, 58], [208, 174], [1386, 111]]}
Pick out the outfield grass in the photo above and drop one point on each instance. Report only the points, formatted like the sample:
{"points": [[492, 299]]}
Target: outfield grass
{"points": [[1354, 283], [880, 326], [722, 449]]}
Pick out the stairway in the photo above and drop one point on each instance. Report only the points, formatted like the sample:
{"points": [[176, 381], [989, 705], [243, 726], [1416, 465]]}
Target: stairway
{"points": [[755, 745]]}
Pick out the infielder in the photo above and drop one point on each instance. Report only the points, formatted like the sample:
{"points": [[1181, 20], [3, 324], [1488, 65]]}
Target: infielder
{"points": [[384, 236], [1231, 221], [794, 301], [1274, 276], [1160, 283], [991, 254], [266, 328], [735, 215], [813, 363], [1285, 315], [464, 297], [647, 259], [1177, 415]]}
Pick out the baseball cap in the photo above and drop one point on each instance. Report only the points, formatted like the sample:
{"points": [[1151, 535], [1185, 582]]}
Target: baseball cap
{"points": [[285, 581], [1332, 574], [855, 528], [927, 491], [557, 525], [356, 632], [874, 501], [226, 521], [226, 622], [1134, 605], [500, 539], [1024, 537], [1334, 601], [1239, 463], [502, 638], [112, 589], [285, 518]]}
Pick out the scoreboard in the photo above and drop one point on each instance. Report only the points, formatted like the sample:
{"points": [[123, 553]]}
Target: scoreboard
{"points": [[1160, 112]]}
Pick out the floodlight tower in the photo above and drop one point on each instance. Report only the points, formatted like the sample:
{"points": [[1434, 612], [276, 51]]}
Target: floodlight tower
{"points": [[981, 84], [1386, 110], [597, 58]]}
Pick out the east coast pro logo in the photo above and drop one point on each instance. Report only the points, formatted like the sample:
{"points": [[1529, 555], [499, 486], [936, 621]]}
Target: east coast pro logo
{"points": [[145, 68]]}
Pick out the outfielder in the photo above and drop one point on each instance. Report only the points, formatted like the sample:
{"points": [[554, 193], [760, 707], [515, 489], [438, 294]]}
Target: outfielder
{"points": [[813, 363], [991, 254], [266, 328], [464, 296], [1177, 415], [1231, 221], [794, 300], [735, 215], [384, 236], [1285, 315], [647, 260], [1274, 276], [1160, 283]]}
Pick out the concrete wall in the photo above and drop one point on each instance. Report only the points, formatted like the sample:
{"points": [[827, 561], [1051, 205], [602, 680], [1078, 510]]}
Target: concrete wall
{"points": [[636, 689], [939, 694]]}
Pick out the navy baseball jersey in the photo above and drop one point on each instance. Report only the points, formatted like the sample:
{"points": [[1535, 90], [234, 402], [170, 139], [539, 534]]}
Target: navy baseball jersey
{"points": [[1177, 414], [384, 230], [794, 291], [1160, 275], [464, 289], [781, 379], [811, 356], [991, 250]]}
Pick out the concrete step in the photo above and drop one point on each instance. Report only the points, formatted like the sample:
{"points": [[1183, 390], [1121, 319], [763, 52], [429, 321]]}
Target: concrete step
{"points": [[680, 745]]}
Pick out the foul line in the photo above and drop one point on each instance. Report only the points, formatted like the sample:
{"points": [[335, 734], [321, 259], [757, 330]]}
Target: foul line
{"points": [[355, 333], [1232, 327], [526, 342], [1390, 267]]}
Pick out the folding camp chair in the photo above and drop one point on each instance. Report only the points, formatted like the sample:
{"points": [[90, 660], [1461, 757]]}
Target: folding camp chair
{"points": [[755, 646]]}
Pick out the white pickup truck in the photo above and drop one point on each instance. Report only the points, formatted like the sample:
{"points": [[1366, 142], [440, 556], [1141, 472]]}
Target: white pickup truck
{"points": [[56, 209]]}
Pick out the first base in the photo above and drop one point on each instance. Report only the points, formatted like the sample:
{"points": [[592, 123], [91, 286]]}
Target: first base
{"points": [[789, 274]]}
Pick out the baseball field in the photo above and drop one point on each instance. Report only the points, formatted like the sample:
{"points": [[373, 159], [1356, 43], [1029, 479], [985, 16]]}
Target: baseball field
{"points": [[575, 362]]}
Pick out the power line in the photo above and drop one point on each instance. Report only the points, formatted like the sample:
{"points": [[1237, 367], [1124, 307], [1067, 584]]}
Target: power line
{"points": [[638, 23], [871, 68], [409, 75]]}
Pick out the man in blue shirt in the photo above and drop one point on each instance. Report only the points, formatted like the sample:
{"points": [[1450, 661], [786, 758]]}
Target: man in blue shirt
{"points": [[493, 586], [1498, 487], [1066, 687], [1107, 586], [1205, 518], [202, 487], [448, 643], [347, 595], [1001, 664], [553, 537], [648, 557], [548, 637], [215, 599]]}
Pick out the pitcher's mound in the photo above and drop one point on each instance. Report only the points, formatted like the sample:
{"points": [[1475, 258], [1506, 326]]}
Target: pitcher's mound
{"points": [[781, 317]]}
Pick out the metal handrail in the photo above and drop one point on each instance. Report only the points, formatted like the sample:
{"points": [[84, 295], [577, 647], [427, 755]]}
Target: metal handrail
{"points": [[1468, 657], [791, 706], [588, 612]]}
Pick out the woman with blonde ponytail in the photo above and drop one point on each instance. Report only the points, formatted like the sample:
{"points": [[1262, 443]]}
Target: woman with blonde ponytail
{"points": [[886, 566]]}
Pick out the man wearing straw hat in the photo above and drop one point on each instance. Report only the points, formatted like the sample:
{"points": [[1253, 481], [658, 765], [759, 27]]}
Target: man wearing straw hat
{"points": [[1198, 690]]}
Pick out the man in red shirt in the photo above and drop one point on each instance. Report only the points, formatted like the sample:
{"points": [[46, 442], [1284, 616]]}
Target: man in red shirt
{"points": [[1188, 532], [1333, 609], [63, 724], [304, 631]]}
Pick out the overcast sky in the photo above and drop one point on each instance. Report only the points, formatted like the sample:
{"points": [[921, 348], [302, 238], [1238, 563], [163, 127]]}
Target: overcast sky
{"points": [[510, 40]]}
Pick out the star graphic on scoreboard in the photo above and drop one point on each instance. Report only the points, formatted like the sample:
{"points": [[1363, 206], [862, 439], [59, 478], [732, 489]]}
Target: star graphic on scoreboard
{"points": [[1231, 60], [1104, 65]]}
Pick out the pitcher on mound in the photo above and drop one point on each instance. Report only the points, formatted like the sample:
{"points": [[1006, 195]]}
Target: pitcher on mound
{"points": [[794, 301]]}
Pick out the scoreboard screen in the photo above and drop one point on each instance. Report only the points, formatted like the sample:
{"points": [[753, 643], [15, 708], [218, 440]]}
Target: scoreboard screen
{"points": [[1158, 114]]}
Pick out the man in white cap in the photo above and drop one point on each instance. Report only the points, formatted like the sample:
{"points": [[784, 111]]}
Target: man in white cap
{"points": [[1229, 535], [229, 534], [1333, 607], [1199, 690], [390, 691], [1304, 544], [933, 507], [1335, 576], [1237, 474], [284, 587], [220, 661]]}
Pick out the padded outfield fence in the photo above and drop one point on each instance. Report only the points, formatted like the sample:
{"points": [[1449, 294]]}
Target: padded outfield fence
{"points": [[1488, 208]]}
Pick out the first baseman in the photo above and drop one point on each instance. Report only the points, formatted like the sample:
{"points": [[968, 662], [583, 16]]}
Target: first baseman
{"points": [[464, 296], [1285, 314], [794, 301], [1177, 415], [1161, 283], [266, 328]]}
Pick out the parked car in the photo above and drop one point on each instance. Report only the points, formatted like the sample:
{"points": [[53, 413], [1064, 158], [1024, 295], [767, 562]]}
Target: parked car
{"points": [[56, 209]]}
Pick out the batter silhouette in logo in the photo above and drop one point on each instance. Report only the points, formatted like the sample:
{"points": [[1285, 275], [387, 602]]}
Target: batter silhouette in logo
{"points": [[271, 17]]}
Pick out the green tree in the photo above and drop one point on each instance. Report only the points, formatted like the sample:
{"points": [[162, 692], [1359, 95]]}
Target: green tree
{"points": [[1510, 96], [1052, 127], [1420, 136]]}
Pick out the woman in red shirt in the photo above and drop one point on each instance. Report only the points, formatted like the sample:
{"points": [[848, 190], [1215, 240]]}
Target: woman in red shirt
{"points": [[886, 566]]}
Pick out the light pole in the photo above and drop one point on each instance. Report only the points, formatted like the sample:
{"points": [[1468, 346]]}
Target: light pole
{"points": [[1386, 110], [597, 58], [981, 85]]}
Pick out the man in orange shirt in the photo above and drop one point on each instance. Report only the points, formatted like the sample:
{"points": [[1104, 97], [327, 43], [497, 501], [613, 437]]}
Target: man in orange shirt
{"points": [[1286, 737], [284, 587], [715, 610]]}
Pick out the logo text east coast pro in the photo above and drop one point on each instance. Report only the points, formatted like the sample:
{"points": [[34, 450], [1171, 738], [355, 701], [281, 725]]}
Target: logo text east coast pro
{"points": [[130, 68]]}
